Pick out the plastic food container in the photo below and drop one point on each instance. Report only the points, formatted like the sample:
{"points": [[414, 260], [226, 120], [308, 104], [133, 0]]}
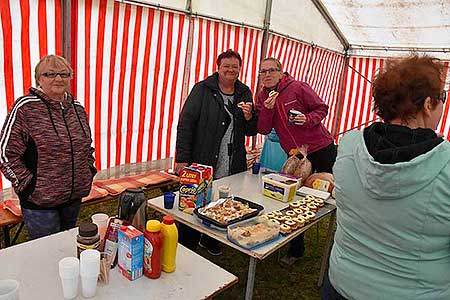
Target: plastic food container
{"points": [[253, 233], [279, 186]]}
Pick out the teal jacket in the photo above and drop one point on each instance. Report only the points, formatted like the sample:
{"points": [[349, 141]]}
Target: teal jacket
{"points": [[393, 225]]}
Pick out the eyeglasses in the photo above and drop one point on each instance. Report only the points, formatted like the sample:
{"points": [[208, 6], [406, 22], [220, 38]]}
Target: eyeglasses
{"points": [[268, 71], [442, 96], [54, 74]]}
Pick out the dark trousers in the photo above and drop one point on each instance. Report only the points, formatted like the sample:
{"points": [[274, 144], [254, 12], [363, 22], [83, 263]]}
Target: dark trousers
{"points": [[190, 237], [329, 292], [322, 161], [44, 222]]}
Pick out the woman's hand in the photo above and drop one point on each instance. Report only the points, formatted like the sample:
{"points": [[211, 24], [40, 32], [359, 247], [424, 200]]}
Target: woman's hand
{"points": [[269, 103], [299, 119], [246, 109]]}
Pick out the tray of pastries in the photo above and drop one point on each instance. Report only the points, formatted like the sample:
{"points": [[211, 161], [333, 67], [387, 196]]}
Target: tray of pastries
{"points": [[224, 212], [253, 233], [298, 214]]}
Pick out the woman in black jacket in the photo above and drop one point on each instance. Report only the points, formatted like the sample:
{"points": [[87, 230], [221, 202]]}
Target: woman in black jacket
{"points": [[215, 119]]}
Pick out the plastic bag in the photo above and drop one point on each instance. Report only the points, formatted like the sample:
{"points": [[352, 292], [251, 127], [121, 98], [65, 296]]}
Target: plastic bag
{"points": [[298, 164], [272, 155]]}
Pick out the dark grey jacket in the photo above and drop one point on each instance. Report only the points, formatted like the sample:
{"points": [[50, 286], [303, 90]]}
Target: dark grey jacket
{"points": [[203, 123]]}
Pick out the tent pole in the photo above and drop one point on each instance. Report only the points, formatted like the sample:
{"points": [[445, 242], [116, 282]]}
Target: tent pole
{"points": [[265, 40], [264, 44], [338, 112], [190, 42], [326, 15], [65, 33]]}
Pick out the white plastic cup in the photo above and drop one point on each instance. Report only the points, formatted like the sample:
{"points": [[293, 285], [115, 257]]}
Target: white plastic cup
{"points": [[90, 263], [224, 191], [101, 220], [9, 289], [70, 287], [88, 286], [69, 271]]}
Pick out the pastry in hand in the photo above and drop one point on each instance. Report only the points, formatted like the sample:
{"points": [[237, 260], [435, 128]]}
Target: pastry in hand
{"points": [[273, 93]]}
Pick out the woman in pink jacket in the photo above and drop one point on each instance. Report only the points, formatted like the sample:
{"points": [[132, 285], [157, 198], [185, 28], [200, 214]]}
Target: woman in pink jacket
{"points": [[305, 129]]}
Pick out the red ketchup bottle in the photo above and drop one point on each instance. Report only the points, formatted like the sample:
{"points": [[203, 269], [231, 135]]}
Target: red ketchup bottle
{"points": [[153, 242]]}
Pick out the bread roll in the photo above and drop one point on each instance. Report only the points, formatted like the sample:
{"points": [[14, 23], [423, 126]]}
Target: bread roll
{"points": [[320, 181]]}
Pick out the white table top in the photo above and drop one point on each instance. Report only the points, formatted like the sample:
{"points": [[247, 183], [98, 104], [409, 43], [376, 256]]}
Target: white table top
{"points": [[247, 186], [35, 265]]}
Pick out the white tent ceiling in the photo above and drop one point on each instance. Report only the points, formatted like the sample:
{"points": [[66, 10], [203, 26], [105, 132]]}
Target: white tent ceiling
{"points": [[370, 27], [393, 24]]}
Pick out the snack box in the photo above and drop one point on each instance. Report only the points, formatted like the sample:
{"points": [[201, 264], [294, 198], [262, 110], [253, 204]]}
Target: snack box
{"points": [[195, 187], [279, 186], [253, 233], [130, 252]]}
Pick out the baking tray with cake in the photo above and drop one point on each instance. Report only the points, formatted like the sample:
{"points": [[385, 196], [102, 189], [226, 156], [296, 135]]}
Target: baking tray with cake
{"points": [[224, 212], [298, 214]]}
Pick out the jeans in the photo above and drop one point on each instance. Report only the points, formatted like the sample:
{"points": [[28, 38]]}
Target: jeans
{"points": [[328, 291], [44, 222], [190, 237]]}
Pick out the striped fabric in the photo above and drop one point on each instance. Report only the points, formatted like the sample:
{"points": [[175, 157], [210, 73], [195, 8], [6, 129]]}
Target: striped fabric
{"points": [[321, 69], [293, 55], [30, 29], [324, 77], [116, 186], [357, 98], [444, 125], [212, 38], [129, 65]]}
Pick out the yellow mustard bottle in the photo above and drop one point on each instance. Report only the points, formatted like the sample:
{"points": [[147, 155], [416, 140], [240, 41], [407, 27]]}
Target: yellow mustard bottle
{"points": [[170, 242]]}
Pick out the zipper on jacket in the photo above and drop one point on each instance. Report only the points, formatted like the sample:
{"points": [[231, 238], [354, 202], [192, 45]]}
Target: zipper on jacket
{"points": [[71, 149]]}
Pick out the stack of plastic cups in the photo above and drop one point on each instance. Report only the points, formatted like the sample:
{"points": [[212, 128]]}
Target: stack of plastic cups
{"points": [[69, 271], [89, 271], [101, 220]]}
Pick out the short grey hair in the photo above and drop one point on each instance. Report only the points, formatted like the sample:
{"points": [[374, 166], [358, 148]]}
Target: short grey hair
{"points": [[52, 60], [279, 65]]}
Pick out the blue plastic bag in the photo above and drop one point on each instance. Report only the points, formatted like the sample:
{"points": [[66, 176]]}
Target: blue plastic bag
{"points": [[272, 156]]}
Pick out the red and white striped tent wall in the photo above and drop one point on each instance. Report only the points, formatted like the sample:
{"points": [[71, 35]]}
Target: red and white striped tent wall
{"points": [[357, 106], [357, 93], [131, 73], [129, 66], [29, 30]]}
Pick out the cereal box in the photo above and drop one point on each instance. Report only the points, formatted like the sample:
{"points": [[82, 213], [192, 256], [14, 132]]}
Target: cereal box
{"points": [[195, 187], [130, 252]]}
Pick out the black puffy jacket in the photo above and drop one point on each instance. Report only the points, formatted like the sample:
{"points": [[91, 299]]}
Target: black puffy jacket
{"points": [[203, 122]]}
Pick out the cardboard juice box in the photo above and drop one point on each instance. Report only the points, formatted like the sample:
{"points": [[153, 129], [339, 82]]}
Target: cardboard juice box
{"points": [[130, 252], [195, 187]]}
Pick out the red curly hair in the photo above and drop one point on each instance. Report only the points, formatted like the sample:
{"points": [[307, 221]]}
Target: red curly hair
{"points": [[401, 87]]}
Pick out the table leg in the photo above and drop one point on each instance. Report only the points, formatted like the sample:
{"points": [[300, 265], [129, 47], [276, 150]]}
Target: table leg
{"points": [[17, 233], [6, 236], [250, 278], [327, 248]]}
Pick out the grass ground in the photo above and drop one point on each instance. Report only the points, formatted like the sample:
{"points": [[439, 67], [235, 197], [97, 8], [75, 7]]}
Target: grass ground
{"points": [[272, 280]]}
